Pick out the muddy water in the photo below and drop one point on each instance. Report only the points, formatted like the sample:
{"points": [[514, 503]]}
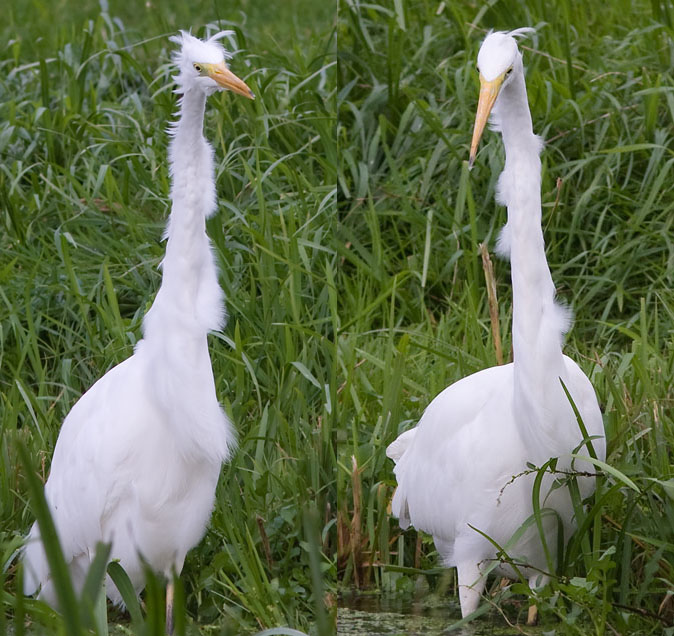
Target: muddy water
{"points": [[373, 615], [391, 615]]}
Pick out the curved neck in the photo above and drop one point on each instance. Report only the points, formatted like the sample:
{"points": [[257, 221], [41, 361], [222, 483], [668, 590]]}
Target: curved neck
{"points": [[190, 298], [538, 323], [520, 184]]}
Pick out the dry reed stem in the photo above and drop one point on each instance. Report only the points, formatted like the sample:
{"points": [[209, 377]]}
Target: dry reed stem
{"points": [[355, 520], [488, 268]]}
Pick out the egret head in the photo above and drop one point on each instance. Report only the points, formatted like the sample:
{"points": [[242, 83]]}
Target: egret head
{"points": [[201, 65], [498, 61]]}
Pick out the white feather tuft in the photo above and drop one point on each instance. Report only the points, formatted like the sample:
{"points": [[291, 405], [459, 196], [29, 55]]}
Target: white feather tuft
{"points": [[396, 449], [219, 36], [503, 242], [562, 318], [522, 32]]}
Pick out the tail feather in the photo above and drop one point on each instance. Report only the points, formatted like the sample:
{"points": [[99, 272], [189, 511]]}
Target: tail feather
{"points": [[395, 451], [37, 578], [35, 567], [400, 509]]}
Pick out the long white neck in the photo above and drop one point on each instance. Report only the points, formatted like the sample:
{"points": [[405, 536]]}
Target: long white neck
{"points": [[538, 323], [190, 299]]}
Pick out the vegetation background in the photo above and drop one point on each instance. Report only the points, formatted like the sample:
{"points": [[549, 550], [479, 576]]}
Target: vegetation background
{"points": [[342, 330], [85, 97], [413, 307]]}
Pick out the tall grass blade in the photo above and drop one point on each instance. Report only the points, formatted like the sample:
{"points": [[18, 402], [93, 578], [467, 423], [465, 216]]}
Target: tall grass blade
{"points": [[92, 598], [126, 590], [57, 564]]}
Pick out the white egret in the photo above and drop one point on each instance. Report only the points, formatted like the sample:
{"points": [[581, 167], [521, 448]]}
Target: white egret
{"points": [[459, 467], [138, 457]]}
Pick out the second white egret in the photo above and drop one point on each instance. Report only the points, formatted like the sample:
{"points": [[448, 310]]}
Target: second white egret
{"points": [[464, 467]]}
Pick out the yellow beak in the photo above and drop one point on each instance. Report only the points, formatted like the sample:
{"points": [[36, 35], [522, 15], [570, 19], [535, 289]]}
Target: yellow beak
{"points": [[489, 91], [225, 78]]}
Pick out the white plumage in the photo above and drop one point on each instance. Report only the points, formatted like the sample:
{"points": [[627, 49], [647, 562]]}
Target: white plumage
{"points": [[138, 457], [462, 465]]}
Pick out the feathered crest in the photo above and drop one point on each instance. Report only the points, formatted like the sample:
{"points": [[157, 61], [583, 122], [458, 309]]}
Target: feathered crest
{"points": [[219, 35], [186, 41], [522, 32]]}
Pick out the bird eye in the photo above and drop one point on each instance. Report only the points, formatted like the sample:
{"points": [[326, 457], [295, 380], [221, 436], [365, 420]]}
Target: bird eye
{"points": [[197, 68], [509, 71]]}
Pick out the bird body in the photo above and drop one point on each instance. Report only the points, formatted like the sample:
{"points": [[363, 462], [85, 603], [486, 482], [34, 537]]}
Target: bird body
{"points": [[138, 457], [150, 496], [466, 465]]}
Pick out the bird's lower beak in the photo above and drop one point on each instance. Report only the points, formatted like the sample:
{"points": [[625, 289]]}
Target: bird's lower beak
{"points": [[489, 91], [225, 78]]}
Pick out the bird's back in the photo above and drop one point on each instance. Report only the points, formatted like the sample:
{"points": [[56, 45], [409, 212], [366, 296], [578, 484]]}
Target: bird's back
{"points": [[436, 469], [465, 462], [133, 465]]}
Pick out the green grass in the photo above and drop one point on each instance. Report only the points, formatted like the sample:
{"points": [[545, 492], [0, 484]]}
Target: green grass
{"points": [[413, 302], [342, 328], [84, 102]]}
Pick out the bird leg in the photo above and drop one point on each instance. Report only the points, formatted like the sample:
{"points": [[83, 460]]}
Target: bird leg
{"points": [[170, 590], [471, 585], [532, 615], [536, 582]]}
